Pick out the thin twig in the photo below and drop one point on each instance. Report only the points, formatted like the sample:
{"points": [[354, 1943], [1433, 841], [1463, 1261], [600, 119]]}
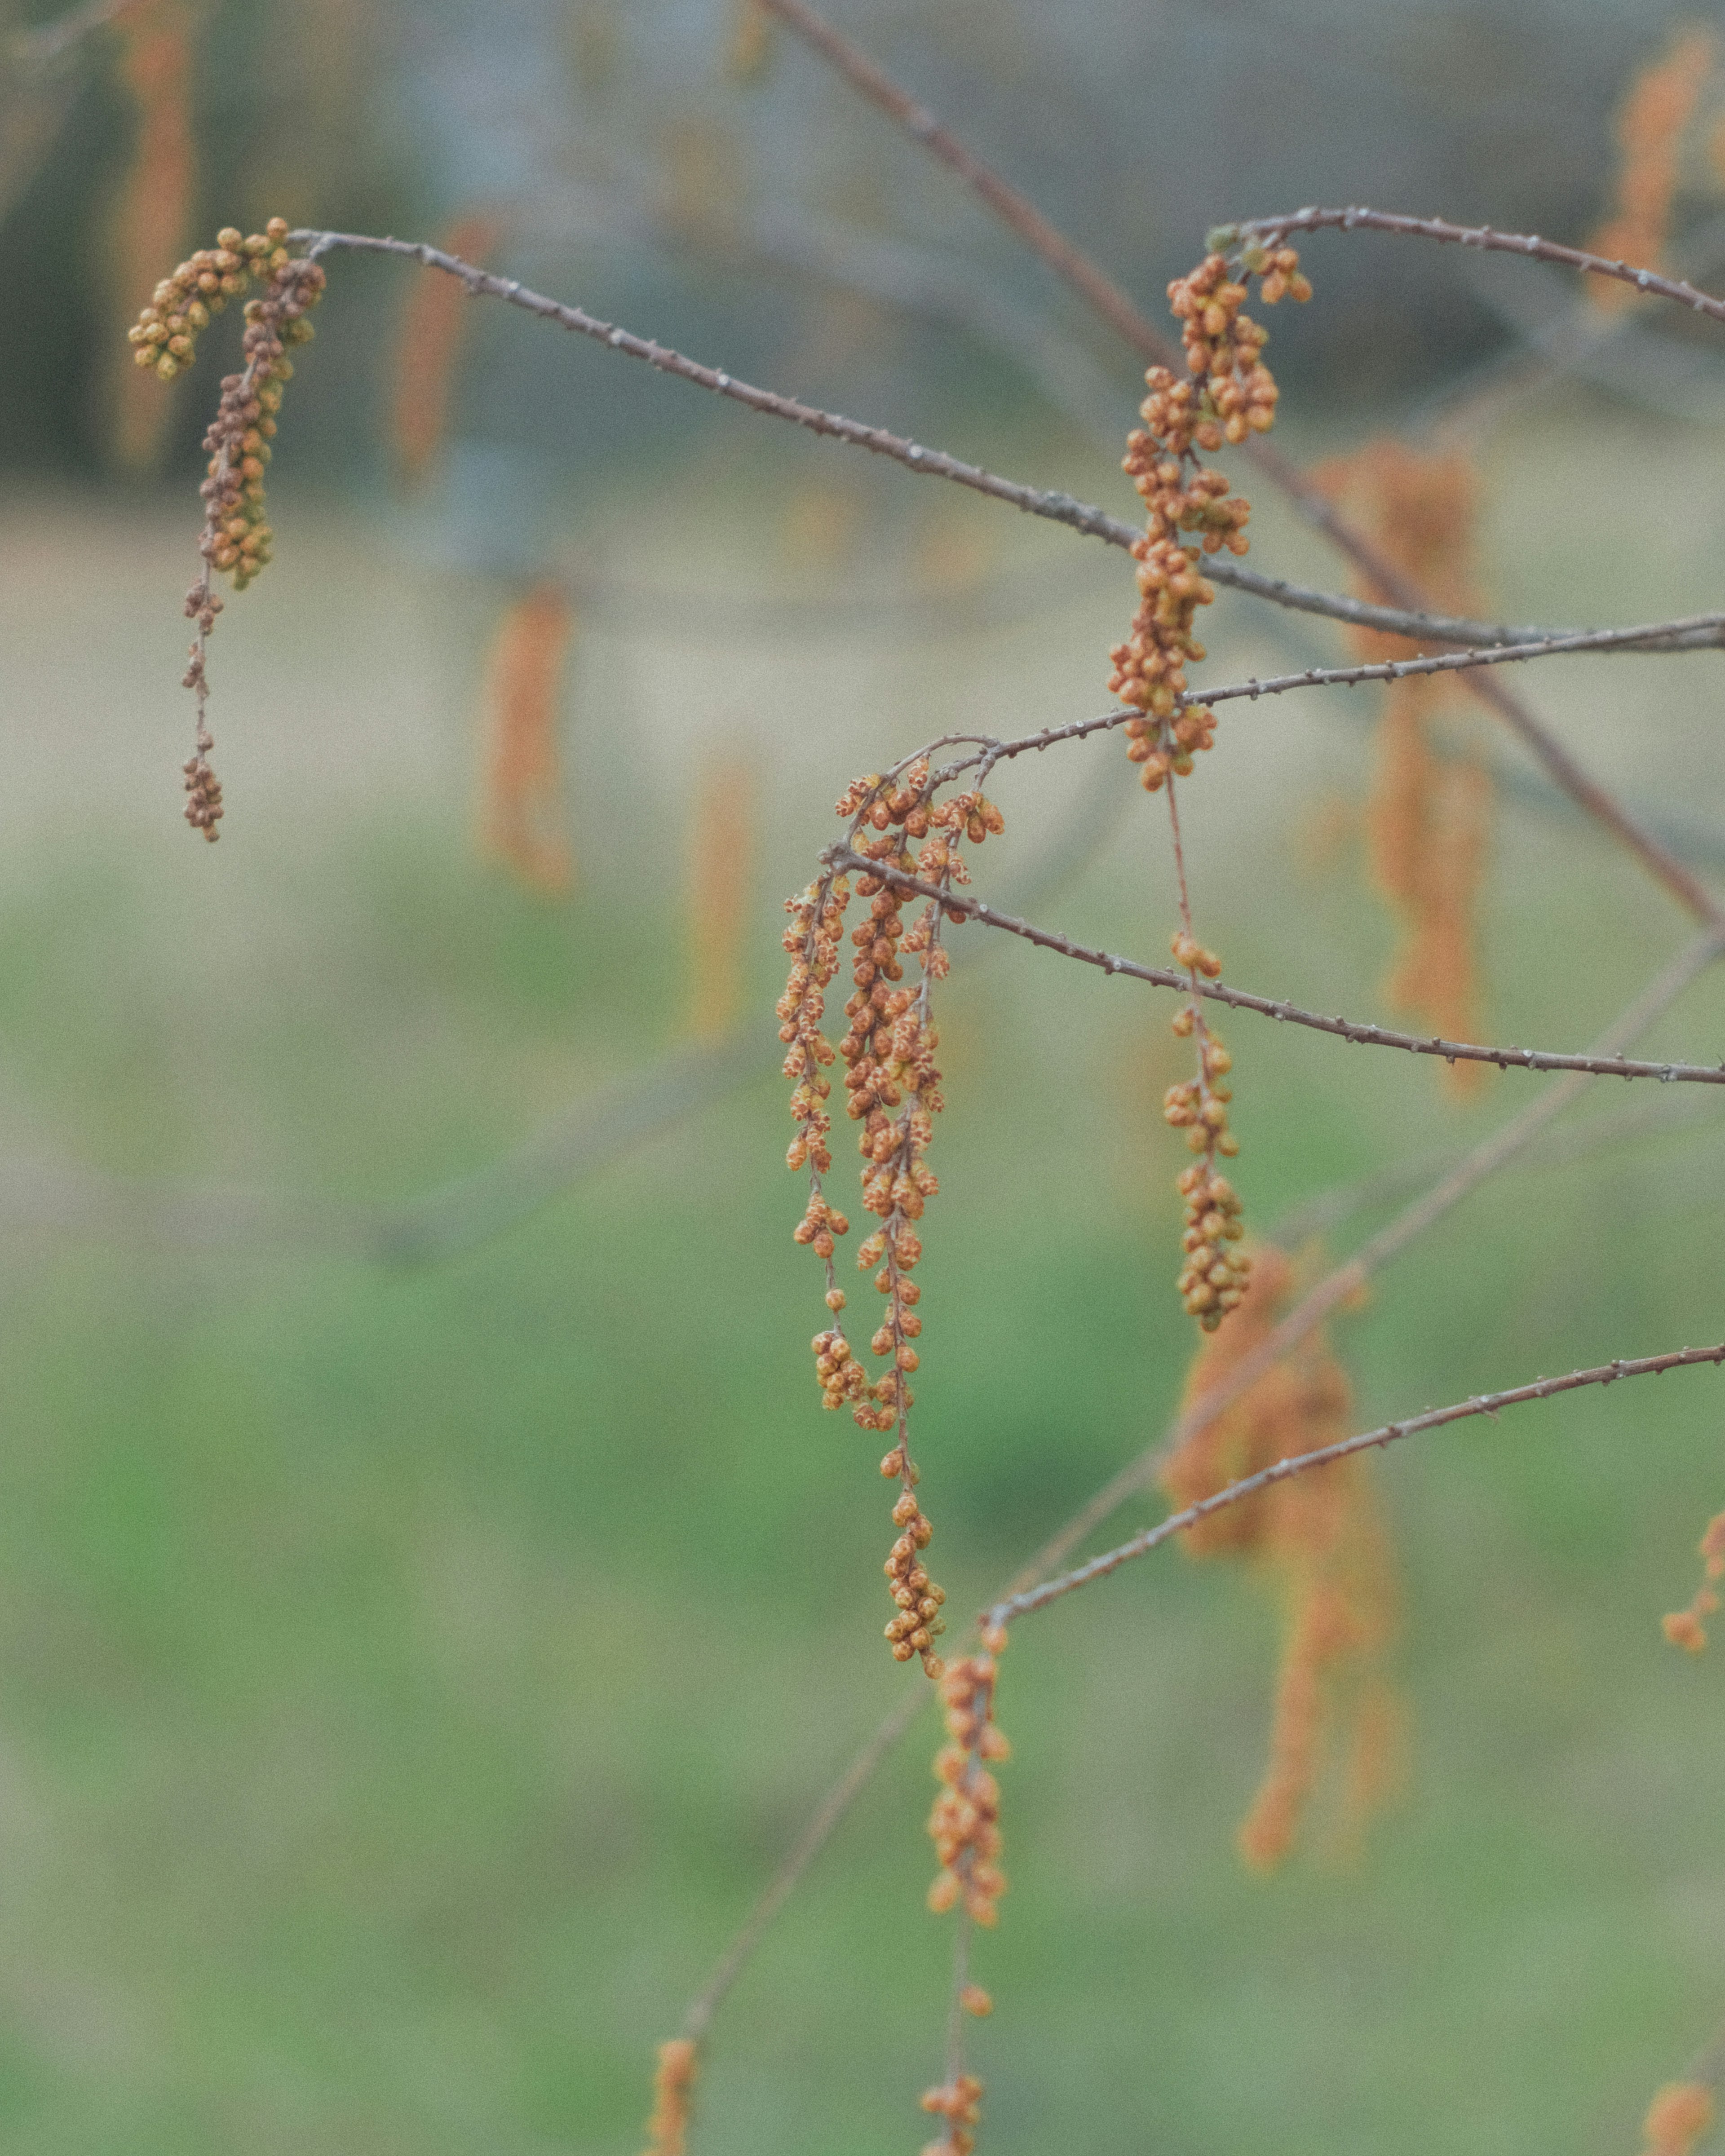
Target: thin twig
{"points": [[1362, 1034], [1107, 300], [1058, 507], [1644, 1118], [1356, 218], [1032, 1598], [808, 1844]]}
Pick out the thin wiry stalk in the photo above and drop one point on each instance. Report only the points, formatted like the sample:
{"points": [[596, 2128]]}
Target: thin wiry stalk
{"points": [[814, 1837], [1356, 218], [1035, 502], [1360, 1034], [1644, 1119], [1346, 1280], [1113, 304], [1032, 1598]]}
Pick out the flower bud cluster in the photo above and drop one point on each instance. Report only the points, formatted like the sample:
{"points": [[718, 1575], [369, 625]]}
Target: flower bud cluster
{"points": [[1213, 1280], [236, 538], [165, 335], [959, 2102], [1230, 394], [1685, 1628], [813, 941], [919, 1622], [892, 1090], [672, 2092], [964, 1824]]}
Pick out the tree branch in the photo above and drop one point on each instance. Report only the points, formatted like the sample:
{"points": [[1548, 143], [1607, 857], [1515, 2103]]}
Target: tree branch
{"points": [[1107, 299], [1362, 1034], [1695, 632], [1355, 218], [1038, 1597]]}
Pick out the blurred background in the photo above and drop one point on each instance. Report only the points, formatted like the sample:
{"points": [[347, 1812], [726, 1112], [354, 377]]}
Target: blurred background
{"points": [[430, 1597]]}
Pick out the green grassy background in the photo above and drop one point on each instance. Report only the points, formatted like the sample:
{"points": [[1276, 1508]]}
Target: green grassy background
{"points": [[407, 1677]]}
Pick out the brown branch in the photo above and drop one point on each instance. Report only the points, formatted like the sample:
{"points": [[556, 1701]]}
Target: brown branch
{"points": [[1527, 244], [1107, 300], [1022, 1605], [1702, 630], [1389, 1243], [1362, 1034]]}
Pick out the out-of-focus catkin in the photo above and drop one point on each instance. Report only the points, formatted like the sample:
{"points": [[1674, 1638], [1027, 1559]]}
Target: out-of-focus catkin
{"points": [[1319, 1538], [428, 348], [1680, 2113], [521, 820], [153, 209], [721, 884], [1429, 821], [1686, 1628], [673, 2095], [1656, 111]]}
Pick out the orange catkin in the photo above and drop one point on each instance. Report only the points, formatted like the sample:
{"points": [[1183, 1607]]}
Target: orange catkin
{"points": [[720, 883], [1685, 1628], [521, 814], [1428, 821], [1319, 1538], [1680, 2113], [433, 325], [672, 2092], [1658, 106], [153, 213]]}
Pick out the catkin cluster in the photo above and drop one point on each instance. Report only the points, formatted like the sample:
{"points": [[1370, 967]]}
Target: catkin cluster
{"points": [[964, 1824], [672, 2092], [919, 1622], [1213, 1280], [1230, 393], [1685, 1628], [236, 539], [959, 2102], [892, 1089], [1679, 2115], [1319, 1538]]}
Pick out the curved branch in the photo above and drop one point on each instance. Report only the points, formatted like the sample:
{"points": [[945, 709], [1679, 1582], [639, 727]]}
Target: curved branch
{"points": [[1095, 523], [1358, 219], [1363, 1035], [1032, 1598]]}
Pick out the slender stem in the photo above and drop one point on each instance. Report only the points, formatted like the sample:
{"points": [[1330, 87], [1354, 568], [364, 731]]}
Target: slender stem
{"points": [[1271, 229], [936, 464], [1032, 1598], [807, 1845], [1361, 1033]]}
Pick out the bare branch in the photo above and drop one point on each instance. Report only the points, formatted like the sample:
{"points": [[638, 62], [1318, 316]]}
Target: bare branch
{"points": [[1362, 1034], [1271, 229], [1032, 1598], [1695, 632], [1113, 305]]}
